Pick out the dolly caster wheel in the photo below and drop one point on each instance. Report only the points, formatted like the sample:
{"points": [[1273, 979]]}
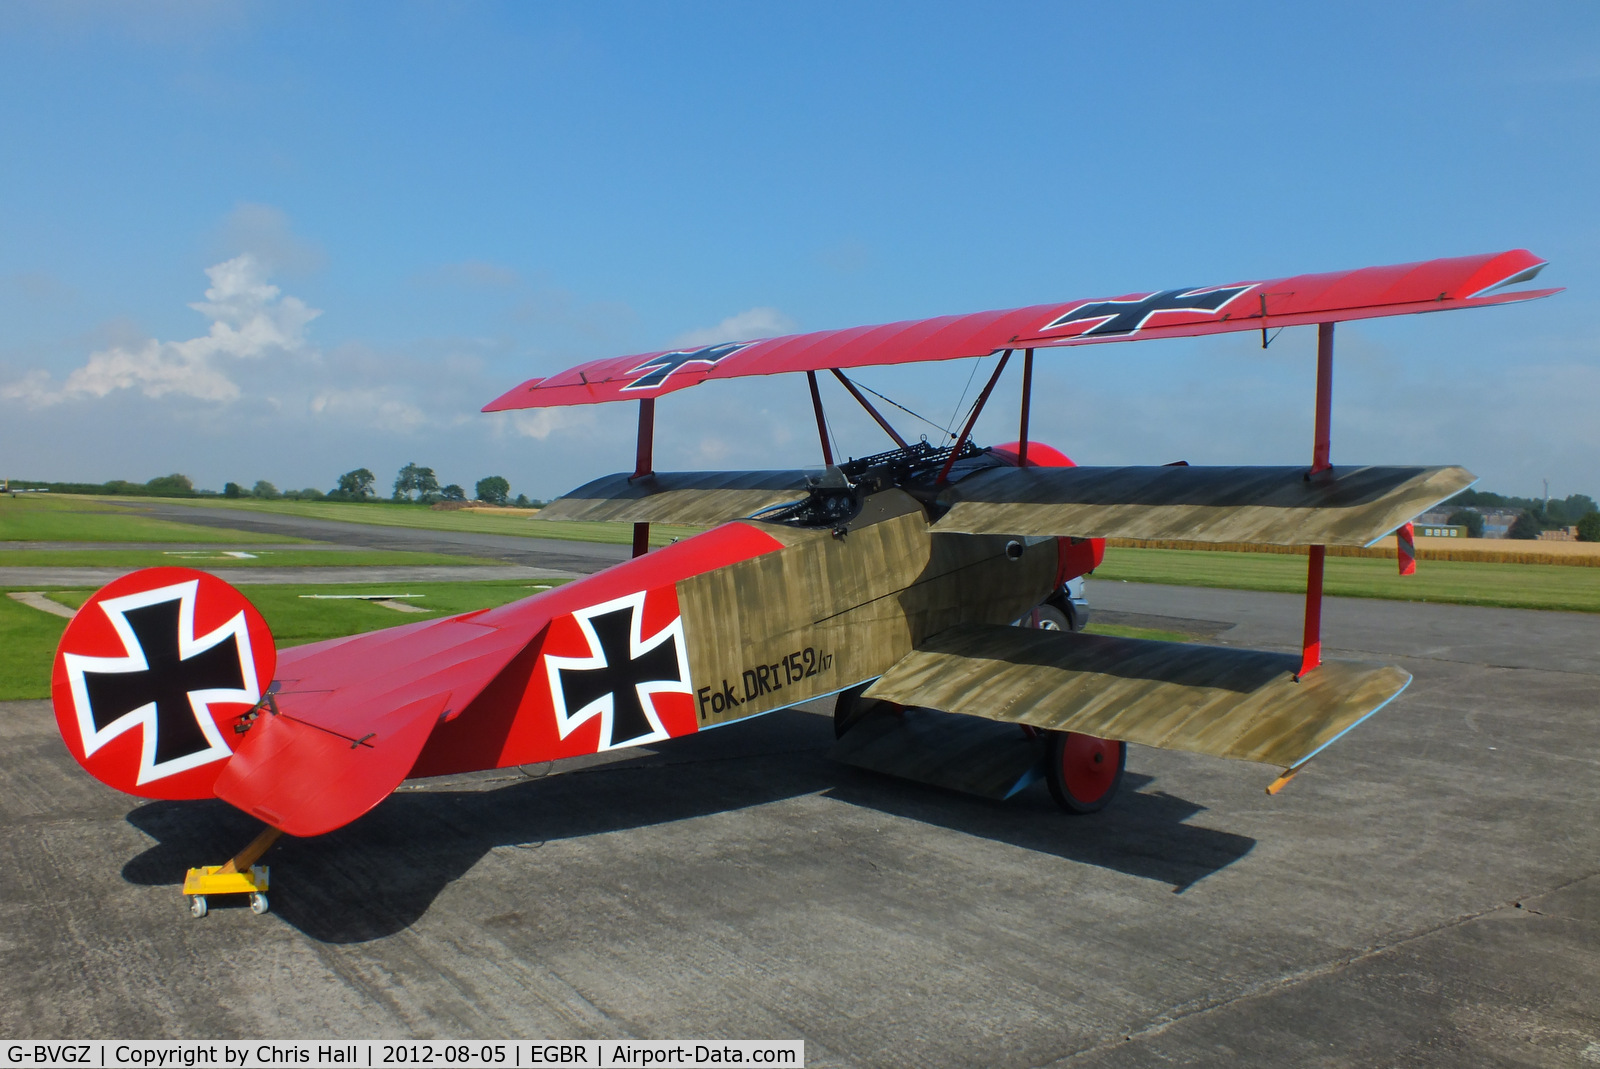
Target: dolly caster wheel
{"points": [[197, 906], [258, 903]]}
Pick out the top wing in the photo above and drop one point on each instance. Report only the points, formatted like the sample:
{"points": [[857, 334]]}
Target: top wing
{"points": [[1429, 286]]}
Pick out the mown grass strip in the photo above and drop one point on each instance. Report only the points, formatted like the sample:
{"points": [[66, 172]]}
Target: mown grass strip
{"points": [[388, 514], [219, 558], [1514, 586], [28, 637], [1473, 550], [43, 518]]}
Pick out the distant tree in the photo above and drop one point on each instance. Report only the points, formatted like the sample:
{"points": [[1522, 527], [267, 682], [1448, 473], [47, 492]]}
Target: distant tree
{"points": [[493, 490], [232, 490], [1589, 527], [173, 485], [311, 493], [354, 485], [1526, 526], [265, 491], [416, 479], [452, 492], [1563, 513], [1471, 519], [522, 501]]}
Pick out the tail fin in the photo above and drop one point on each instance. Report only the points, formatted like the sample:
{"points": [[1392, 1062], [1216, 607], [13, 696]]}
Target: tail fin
{"points": [[153, 677]]}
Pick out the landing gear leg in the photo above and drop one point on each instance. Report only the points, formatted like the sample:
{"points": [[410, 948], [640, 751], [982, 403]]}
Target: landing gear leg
{"points": [[240, 875]]}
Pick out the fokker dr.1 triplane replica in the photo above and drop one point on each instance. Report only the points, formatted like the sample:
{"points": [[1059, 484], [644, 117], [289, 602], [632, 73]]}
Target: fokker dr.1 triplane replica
{"points": [[894, 581]]}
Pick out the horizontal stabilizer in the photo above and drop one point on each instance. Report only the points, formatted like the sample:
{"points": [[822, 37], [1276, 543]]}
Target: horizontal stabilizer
{"points": [[690, 497], [1344, 506], [1235, 703], [350, 716]]}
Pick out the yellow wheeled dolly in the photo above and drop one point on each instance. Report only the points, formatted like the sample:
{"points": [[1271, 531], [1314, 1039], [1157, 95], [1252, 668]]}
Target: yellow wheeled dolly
{"points": [[238, 876]]}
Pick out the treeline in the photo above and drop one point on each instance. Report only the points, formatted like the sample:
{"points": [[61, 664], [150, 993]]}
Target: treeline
{"points": [[162, 486], [414, 484], [1533, 514]]}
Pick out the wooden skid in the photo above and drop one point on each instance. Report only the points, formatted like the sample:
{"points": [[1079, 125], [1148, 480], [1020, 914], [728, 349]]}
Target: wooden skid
{"points": [[688, 497], [1347, 506], [1235, 703], [961, 753]]}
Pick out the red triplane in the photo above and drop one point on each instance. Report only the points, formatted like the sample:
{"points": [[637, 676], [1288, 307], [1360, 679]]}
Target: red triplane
{"points": [[892, 581]]}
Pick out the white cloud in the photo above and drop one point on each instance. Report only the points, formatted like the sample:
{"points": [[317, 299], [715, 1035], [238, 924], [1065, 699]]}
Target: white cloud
{"points": [[755, 323], [377, 408], [250, 319]]}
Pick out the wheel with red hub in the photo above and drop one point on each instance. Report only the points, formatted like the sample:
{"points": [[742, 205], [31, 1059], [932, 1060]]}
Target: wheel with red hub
{"points": [[1084, 772]]}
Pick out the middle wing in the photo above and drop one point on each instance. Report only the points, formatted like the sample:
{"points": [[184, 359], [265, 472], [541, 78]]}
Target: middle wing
{"points": [[1340, 506], [1344, 506], [689, 497]]}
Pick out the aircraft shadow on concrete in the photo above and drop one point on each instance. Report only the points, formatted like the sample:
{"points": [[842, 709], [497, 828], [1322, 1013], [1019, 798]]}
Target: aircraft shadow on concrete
{"points": [[379, 875]]}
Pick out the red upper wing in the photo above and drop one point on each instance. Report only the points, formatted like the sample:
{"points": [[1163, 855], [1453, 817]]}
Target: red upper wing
{"points": [[1430, 286]]}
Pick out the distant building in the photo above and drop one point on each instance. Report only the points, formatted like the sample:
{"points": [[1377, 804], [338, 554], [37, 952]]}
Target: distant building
{"points": [[1441, 530], [1559, 534]]}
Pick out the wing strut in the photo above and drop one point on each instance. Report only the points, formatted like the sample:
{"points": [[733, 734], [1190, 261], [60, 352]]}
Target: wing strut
{"points": [[1316, 557], [873, 412], [977, 410], [822, 420], [1027, 402], [644, 464]]}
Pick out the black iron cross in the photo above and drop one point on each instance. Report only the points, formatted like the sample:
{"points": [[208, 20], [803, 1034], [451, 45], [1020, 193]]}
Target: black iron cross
{"points": [[620, 676], [167, 680], [1125, 317], [659, 367]]}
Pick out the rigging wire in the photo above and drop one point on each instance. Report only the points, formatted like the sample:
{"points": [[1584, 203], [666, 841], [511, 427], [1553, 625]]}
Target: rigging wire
{"points": [[954, 416], [897, 404]]}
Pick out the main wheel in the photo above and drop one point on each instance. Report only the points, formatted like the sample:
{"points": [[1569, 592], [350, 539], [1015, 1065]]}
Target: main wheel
{"points": [[1052, 619], [197, 906], [1085, 772], [258, 903]]}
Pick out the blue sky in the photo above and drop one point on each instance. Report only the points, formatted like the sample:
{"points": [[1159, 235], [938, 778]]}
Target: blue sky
{"points": [[450, 198]]}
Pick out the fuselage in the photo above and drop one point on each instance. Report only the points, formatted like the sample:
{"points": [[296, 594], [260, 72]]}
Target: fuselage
{"points": [[745, 619]]}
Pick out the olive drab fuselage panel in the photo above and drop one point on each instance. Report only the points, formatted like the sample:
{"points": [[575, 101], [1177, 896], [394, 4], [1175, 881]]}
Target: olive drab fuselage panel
{"points": [[831, 610]]}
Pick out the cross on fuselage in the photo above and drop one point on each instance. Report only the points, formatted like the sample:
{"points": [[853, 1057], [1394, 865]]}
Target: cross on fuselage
{"points": [[659, 367], [167, 680], [620, 676], [1125, 317]]}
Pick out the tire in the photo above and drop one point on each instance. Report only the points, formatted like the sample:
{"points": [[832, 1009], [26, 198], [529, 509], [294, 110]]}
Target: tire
{"points": [[1052, 619], [1084, 772], [197, 906], [258, 903]]}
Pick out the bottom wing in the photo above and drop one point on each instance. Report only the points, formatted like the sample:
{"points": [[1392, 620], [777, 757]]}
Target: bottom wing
{"points": [[1236, 703]]}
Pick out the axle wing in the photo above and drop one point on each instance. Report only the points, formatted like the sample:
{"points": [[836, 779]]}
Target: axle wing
{"points": [[1245, 704]]}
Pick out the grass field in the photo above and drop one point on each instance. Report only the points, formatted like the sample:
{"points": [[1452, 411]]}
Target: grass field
{"points": [[415, 516], [207, 559], [1516, 586], [28, 637], [44, 518]]}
